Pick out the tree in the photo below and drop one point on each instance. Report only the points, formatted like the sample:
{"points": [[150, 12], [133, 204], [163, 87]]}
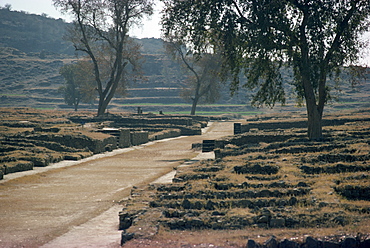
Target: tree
{"points": [[8, 6], [204, 80], [79, 83], [101, 32], [258, 37]]}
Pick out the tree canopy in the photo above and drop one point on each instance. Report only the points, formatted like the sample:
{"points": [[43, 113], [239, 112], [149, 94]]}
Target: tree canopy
{"points": [[203, 80], [258, 37], [101, 32], [79, 83]]}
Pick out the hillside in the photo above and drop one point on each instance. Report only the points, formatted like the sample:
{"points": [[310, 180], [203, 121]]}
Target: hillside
{"points": [[32, 51], [33, 33]]}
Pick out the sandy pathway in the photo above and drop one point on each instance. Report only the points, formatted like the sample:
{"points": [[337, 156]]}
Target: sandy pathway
{"points": [[77, 201]]}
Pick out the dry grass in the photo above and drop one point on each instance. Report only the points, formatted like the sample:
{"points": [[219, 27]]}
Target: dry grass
{"points": [[335, 215]]}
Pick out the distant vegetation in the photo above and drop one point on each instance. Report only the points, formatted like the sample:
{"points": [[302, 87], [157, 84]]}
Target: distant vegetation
{"points": [[32, 51], [260, 38]]}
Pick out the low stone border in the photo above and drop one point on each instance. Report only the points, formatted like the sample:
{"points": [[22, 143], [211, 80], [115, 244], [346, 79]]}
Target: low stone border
{"points": [[348, 242]]}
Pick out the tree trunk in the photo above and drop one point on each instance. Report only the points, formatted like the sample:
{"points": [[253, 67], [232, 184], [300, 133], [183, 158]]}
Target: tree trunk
{"points": [[106, 97], [314, 115], [77, 101], [194, 105], [101, 110], [314, 122], [102, 107]]}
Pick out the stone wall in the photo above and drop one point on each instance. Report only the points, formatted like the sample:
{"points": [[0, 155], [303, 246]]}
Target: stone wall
{"points": [[309, 242], [41, 147], [139, 137], [135, 120], [284, 124], [165, 134], [250, 139], [273, 125], [253, 138], [47, 144], [155, 121], [185, 130], [107, 144], [127, 137], [77, 141], [122, 134], [17, 166], [189, 125], [124, 138]]}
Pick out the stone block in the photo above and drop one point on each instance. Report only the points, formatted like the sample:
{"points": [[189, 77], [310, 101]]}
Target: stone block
{"points": [[73, 157], [237, 128], [365, 243], [138, 138], [125, 220], [41, 160], [263, 219], [330, 244], [311, 243], [349, 242], [277, 222], [124, 138], [271, 243], [165, 134], [288, 244], [126, 237], [252, 244], [208, 145], [18, 166]]}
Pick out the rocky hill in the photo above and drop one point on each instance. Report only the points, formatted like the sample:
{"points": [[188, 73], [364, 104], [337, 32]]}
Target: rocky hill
{"points": [[33, 33]]}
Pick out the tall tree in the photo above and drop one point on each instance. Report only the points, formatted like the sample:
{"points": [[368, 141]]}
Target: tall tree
{"points": [[101, 32], [203, 82], [79, 83], [258, 37]]}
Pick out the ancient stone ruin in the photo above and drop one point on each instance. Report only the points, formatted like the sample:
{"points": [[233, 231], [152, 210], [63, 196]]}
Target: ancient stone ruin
{"points": [[266, 179], [32, 138]]}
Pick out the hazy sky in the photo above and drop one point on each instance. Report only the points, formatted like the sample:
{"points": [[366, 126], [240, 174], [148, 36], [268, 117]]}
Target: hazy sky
{"points": [[150, 28]]}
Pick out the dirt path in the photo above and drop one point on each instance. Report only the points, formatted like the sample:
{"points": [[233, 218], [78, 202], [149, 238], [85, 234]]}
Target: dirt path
{"points": [[37, 208]]}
